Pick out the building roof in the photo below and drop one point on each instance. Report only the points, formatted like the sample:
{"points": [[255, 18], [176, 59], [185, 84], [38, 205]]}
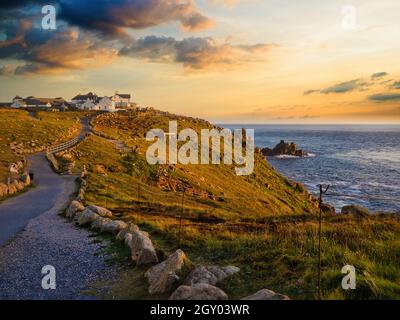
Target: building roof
{"points": [[42, 101], [83, 97], [124, 95]]}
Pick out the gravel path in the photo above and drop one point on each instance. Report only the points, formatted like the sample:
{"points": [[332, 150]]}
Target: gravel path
{"points": [[50, 240], [33, 235]]}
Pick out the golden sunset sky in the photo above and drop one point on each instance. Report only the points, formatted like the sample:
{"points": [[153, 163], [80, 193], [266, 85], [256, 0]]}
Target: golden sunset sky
{"points": [[239, 61]]}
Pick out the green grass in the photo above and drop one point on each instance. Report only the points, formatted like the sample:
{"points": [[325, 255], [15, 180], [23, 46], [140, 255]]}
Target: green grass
{"points": [[262, 223], [42, 129]]}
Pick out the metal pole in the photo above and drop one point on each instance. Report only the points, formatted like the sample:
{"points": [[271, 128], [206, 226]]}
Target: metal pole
{"points": [[321, 192]]}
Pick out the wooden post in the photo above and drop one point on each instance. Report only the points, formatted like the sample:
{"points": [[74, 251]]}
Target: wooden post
{"points": [[321, 192]]}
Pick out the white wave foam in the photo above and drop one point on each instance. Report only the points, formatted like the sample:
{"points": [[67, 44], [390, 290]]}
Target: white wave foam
{"points": [[287, 156]]}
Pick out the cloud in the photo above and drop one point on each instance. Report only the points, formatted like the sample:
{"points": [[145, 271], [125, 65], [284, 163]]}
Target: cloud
{"points": [[383, 97], [53, 52], [345, 86], [396, 85], [91, 33], [194, 52], [379, 74], [311, 91], [112, 17]]}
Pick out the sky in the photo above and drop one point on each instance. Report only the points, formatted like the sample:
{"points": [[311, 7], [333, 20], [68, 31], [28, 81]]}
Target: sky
{"points": [[228, 61]]}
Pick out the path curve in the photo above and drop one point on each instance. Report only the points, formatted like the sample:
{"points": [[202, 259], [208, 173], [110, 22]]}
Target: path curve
{"points": [[33, 235]]}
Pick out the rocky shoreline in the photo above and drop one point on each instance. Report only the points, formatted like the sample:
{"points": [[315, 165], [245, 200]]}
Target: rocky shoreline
{"points": [[284, 148]]}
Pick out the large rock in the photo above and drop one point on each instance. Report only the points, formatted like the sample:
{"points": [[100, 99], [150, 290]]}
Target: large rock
{"points": [[99, 222], [12, 189], [284, 148], [73, 208], [265, 294], [163, 276], [122, 234], [142, 248], [327, 208], [81, 196], [3, 190], [26, 179], [128, 240], [102, 212], [356, 210], [210, 275], [87, 216], [19, 185], [113, 226], [198, 291]]}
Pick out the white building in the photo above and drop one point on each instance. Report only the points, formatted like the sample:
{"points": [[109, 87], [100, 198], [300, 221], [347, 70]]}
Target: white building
{"points": [[88, 105], [81, 99], [106, 104], [34, 102], [122, 100]]}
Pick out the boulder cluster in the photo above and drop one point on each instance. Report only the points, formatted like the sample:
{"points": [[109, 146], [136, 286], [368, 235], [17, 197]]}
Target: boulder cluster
{"points": [[176, 275], [17, 184], [284, 148], [29, 147]]}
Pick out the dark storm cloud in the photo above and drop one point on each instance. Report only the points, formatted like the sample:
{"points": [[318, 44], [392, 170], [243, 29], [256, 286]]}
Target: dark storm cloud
{"points": [[51, 52], [382, 97], [195, 53], [112, 17], [92, 32]]}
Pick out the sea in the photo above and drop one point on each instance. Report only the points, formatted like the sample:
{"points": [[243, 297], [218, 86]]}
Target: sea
{"points": [[361, 163]]}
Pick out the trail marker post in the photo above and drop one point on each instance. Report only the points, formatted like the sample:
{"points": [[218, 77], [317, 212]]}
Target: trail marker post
{"points": [[322, 191]]}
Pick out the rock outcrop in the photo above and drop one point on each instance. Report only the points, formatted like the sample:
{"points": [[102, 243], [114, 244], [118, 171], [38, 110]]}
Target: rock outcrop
{"points": [[266, 294], [13, 187], [102, 212], [73, 208], [87, 216], [163, 276], [142, 248], [210, 275], [198, 291], [356, 210], [99, 222], [113, 226], [284, 148], [327, 208]]}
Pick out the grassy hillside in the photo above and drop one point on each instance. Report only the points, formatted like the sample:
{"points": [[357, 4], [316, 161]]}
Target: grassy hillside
{"points": [[32, 131], [262, 223]]}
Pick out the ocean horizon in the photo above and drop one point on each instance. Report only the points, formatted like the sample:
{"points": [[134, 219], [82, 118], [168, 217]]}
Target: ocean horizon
{"points": [[360, 162]]}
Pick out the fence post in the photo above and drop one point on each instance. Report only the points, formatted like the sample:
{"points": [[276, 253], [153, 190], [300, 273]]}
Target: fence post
{"points": [[321, 192]]}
